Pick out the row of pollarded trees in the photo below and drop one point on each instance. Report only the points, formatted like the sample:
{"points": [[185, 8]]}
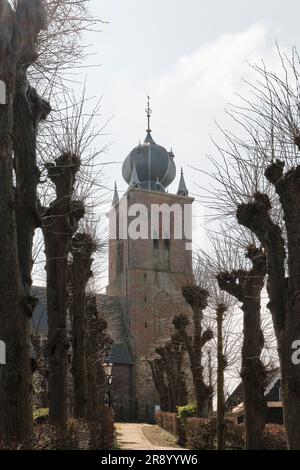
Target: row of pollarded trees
{"points": [[236, 280], [189, 340], [213, 328], [256, 187], [45, 170], [168, 374]]}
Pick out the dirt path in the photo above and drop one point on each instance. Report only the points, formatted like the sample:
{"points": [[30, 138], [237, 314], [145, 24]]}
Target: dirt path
{"points": [[133, 436]]}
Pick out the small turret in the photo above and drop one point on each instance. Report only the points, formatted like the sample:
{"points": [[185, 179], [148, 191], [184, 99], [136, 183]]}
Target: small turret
{"points": [[116, 196], [134, 182], [182, 190]]}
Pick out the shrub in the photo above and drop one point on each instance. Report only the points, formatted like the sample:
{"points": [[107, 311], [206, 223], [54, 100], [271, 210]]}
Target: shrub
{"points": [[184, 412], [235, 436], [200, 433], [275, 437], [167, 421], [188, 411], [41, 415]]}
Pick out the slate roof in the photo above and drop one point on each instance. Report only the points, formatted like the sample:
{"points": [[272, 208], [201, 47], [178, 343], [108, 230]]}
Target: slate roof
{"points": [[110, 308], [120, 354], [151, 164], [112, 312]]}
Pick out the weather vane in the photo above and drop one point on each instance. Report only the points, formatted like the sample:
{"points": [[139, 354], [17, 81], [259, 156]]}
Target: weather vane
{"points": [[148, 112]]}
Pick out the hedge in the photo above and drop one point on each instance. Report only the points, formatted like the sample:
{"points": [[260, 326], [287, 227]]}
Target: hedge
{"points": [[79, 435], [275, 437], [201, 434], [167, 421]]}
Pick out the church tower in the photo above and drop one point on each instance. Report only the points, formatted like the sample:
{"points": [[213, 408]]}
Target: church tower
{"points": [[150, 258]]}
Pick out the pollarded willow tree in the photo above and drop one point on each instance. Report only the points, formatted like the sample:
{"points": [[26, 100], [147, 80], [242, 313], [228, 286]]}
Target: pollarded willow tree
{"points": [[40, 43], [84, 245], [40, 78], [160, 381], [196, 298], [60, 223], [224, 347], [269, 147], [98, 347], [20, 27], [246, 286], [168, 374]]}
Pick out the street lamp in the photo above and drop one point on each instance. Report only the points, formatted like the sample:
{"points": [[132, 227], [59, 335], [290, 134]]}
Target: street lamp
{"points": [[108, 366]]}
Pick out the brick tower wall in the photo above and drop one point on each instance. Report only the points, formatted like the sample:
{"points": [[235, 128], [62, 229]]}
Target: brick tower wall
{"points": [[147, 276]]}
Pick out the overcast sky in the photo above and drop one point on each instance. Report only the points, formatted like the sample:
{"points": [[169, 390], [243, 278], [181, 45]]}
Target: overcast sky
{"points": [[190, 57]]}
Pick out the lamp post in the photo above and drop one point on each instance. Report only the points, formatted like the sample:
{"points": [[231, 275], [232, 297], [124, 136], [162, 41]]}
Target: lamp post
{"points": [[108, 366]]}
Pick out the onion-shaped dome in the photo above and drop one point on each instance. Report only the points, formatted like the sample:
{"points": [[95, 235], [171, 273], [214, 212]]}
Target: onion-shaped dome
{"points": [[154, 165]]}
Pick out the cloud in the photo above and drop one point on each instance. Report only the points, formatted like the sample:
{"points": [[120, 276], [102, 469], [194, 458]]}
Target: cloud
{"points": [[195, 91], [213, 73], [199, 85]]}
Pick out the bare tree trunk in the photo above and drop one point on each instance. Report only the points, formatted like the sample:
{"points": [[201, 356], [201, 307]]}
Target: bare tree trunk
{"points": [[29, 110], [246, 286], [253, 373], [181, 393], [19, 30], [82, 248], [283, 293], [79, 367], [98, 345], [201, 389], [197, 299], [221, 428], [60, 221], [158, 374], [210, 382], [170, 367], [15, 385], [58, 344], [169, 372], [287, 187]]}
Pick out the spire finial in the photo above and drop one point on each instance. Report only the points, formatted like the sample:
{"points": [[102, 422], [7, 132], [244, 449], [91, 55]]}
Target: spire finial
{"points": [[148, 113], [182, 190], [134, 182], [116, 195]]}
